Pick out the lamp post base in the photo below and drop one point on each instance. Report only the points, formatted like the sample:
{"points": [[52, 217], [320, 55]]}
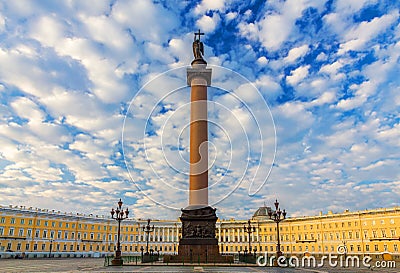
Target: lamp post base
{"points": [[278, 254], [118, 259]]}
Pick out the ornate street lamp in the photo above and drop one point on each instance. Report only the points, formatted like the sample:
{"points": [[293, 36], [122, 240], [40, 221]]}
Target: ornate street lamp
{"points": [[277, 216], [249, 230], [147, 229], [119, 215]]}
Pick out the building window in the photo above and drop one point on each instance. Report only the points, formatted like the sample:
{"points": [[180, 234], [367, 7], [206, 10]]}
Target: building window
{"points": [[12, 221], [383, 233], [376, 248], [60, 224], [30, 222], [65, 247], [46, 223], [34, 247], [29, 233], [385, 248], [11, 232], [1, 231], [366, 247], [358, 248], [59, 235], [22, 221], [18, 246], [43, 247], [3, 220], [66, 235], [27, 247], [52, 234], [395, 247], [53, 224], [21, 232], [393, 232], [9, 246], [37, 233], [44, 233], [67, 225], [38, 222]]}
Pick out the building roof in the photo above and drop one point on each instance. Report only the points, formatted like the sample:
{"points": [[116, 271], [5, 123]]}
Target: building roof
{"points": [[262, 212]]}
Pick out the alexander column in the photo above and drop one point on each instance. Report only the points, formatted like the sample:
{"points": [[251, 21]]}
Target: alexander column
{"points": [[198, 242], [198, 78]]}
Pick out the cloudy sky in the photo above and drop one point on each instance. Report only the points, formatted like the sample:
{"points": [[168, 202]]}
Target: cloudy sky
{"points": [[94, 104]]}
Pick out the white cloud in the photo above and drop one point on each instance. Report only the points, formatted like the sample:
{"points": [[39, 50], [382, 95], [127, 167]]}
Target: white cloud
{"points": [[2, 22], [298, 75], [207, 5], [331, 68], [357, 36], [231, 15], [350, 7], [207, 23], [149, 21], [296, 53], [262, 60], [274, 29]]}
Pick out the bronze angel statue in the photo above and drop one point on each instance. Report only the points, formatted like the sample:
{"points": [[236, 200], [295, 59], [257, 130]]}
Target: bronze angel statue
{"points": [[198, 48]]}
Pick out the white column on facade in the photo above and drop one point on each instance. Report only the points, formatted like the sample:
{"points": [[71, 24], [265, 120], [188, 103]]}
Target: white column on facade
{"points": [[224, 232], [163, 234], [258, 238], [168, 235], [219, 234]]}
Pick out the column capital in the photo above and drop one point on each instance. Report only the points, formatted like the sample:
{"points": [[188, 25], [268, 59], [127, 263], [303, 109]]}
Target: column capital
{"points": [[198, 72]]}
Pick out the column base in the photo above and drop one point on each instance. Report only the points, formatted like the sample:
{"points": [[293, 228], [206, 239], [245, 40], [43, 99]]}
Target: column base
{"points": [[198, 243]]}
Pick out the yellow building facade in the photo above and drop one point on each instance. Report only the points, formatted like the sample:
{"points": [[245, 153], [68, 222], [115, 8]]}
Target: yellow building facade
{"points": [[33, 232]]}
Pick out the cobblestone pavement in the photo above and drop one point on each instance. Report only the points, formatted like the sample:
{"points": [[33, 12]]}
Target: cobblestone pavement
{"points": [[97, 265]]}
